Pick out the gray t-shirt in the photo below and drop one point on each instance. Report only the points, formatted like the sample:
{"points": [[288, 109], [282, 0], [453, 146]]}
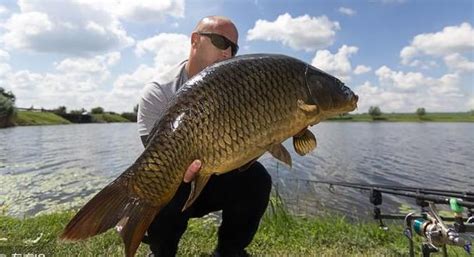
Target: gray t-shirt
{"points": [[156, 95]]}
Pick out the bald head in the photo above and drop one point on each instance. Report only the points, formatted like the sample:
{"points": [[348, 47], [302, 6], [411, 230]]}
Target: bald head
{"points": [[220, 25], [203, 51]]}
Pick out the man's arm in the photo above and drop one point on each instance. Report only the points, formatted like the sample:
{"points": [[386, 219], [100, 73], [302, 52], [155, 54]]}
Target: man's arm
{"points": [[143, 138], [152, 102]]}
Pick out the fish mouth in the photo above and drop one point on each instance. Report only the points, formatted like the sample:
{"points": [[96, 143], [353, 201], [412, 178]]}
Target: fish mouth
{"points": [[354, 101], [349, 106]]}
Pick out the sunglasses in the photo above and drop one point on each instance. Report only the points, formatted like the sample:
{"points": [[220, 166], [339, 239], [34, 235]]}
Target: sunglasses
{"points": [[221, 42]]}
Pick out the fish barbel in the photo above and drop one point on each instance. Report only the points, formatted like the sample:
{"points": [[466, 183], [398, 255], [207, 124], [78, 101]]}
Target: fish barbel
{"points": [[226, 116]]}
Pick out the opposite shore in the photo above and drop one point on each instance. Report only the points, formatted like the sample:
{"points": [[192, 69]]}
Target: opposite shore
{"points": [[29, 118]]}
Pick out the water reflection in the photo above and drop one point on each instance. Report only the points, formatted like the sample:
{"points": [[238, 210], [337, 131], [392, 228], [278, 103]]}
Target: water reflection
{"points": [[46, 168]]}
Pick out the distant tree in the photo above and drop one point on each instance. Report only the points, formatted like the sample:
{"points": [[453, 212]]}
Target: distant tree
{"points": [[8, 94], [472, 111], [97, 110], [60, 110], [375, 112], [420, 112], [131, 116], [81, 111], [7, 108], [135, 109]]}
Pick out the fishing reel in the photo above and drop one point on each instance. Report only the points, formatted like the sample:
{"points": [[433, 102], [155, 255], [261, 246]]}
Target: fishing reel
{"points": [[429, 224], [436, 233]]}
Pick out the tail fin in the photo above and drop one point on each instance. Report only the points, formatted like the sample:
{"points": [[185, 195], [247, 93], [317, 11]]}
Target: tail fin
{"points": [[110, 207]]}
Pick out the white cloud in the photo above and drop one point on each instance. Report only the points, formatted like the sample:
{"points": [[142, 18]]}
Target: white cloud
{"points": [[398, 91], [294, 32], [4, 55], [336, 64], [347, 11], [361, 69], [127, 87], [435, 94], [470, 103], [4, 69], [457, 62], [71, 27], [3, 10], [51, 90], [400, 80], [168, 49], [75, 83], [370, 95], [447, 85], [150, 10], [79, 82], [451, 40], [96, 67]]}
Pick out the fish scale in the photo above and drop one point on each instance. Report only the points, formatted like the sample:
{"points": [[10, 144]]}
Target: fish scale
{"points": [[226, 116]]}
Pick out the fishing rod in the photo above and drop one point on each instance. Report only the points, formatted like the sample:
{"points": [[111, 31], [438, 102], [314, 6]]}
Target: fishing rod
{"points": [[429, 225], [465, 195]]}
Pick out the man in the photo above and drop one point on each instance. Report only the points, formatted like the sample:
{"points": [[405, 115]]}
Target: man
{"points": [[241, 195]]}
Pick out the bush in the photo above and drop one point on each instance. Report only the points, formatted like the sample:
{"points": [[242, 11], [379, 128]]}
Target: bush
{"points": [[130, 116], [81, 111], [420, 112], [97, 110], [375, 111], [7, 108], [60, 110]]}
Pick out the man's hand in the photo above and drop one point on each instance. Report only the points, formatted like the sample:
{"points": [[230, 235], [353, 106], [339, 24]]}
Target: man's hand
{"points": [[192, 170]]}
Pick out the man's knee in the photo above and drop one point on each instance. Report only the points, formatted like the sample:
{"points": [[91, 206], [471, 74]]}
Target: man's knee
{"points": [[258, 181], [262, 176]]}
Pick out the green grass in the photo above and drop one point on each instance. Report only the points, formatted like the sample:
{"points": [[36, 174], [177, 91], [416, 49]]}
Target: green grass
{"points": [[24, 118], [107, 117], [410, 117], [280, 234]]}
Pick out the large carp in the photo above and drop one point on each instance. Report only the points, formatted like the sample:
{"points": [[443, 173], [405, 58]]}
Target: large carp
{"points": [[226, 116]]}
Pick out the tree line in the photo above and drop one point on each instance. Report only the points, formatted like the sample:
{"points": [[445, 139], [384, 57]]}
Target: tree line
{"points": [[9, 112], [132, 116], [7, 108], [376, 113]]}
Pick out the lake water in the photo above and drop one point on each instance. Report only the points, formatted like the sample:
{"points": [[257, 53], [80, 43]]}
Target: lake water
{"points": [[48, 168]]}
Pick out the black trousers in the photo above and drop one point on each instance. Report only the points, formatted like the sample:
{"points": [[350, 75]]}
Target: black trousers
{"points": [[241, 195]]}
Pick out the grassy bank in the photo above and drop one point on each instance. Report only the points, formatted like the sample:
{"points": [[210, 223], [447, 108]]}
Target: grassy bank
{"points": [[278, 235], [107, 117], [25, 118], [410, 117]]}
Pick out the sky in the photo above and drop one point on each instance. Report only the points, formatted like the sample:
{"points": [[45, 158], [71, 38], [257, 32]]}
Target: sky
{"points": [[396, 54]]}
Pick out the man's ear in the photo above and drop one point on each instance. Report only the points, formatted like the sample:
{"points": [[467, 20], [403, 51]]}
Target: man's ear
{"points": [[194, 39]]}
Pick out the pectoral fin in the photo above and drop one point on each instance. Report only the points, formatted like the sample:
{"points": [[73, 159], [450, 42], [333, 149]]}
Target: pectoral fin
{"points": [[196, 188], [308, 108], [279, 151], [304, 142]]}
